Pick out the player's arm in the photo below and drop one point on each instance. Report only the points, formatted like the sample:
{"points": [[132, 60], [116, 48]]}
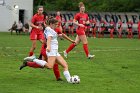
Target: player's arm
{"points": [[87, 21], [32, 24], [48, 44], [66, 37], [76, 23]]}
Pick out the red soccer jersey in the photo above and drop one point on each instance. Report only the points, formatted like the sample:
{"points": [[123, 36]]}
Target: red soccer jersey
{"points": [[119, 24], [81, 18], [58, 31], [93, 23], [70, 23], [102, 23], [59, 20], [37, 34], [129, 24], [139, 26], [112, 24], [37, 20], [63, 22]]}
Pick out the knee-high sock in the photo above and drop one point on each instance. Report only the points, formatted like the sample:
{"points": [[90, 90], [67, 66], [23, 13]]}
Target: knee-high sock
{"points": [[70, 48], [56, 71], [85, 46], [33, 65], [67, 75], [40, 62], [31, 53]]}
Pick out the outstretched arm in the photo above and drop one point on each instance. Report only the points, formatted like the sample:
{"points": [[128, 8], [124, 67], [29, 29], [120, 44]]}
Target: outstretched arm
{"points": [[66, 37]]}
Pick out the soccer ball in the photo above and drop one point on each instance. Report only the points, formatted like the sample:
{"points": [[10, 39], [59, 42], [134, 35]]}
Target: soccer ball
{"points": [[75, 79]]}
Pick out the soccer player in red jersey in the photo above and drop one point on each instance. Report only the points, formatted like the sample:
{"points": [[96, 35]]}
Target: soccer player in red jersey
{"points": [[37, 23], [93, 27], [129, 29], [82, 19], [102, 28], [139, 29], [58, 17], [45, 20], [70, 27], [119, 26], [63, 24], [111, 28], [88, 29]]}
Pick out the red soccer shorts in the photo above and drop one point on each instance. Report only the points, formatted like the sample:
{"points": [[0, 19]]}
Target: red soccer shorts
{"points": [[80, 31], [36, 35]]}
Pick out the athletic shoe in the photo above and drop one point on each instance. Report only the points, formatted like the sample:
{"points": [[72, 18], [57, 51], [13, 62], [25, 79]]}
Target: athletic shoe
{"points": [[90, 56], [65, 54], [30, 58], [59, 79], [70, 81], [23, 65]]}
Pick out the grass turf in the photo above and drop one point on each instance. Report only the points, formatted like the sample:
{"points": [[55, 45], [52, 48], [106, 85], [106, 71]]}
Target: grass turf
{"points": [[115, 68]]}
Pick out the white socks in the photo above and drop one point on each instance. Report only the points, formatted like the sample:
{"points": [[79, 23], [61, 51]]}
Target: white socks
{"points": [[67, 75], [40, 62]]}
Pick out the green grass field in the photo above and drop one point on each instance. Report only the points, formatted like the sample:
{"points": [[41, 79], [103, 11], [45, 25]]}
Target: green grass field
{"points": [[115, 68]]}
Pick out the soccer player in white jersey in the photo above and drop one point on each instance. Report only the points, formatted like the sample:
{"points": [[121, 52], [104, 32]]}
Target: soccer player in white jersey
{"points": [[52, 50]]}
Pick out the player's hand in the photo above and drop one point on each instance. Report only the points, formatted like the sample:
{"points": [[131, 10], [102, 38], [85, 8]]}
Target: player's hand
{"points": [[48, 49], [87, 22], [81, 25], [73, 41], [40, 27]]}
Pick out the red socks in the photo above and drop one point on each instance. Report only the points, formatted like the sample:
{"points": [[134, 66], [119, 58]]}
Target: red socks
{"points": [[55, 68], [85, 46], [70, 48], [33, 65], [56, 71], [31, 53]]}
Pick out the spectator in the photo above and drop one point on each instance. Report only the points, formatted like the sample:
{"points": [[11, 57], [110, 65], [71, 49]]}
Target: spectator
{"points": [[19, 27], [139, 29], [26, 27], [71, 27], [111, 28], [63, 23], [93, 27], [119, 28], [14, 27], [102, 28], [129, 28]]}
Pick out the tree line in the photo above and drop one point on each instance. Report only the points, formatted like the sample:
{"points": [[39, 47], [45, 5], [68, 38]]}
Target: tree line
{"points": [[91, 5]]}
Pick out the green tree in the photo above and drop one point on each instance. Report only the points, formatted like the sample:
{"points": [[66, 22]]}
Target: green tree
{"points": [[91, 5]]}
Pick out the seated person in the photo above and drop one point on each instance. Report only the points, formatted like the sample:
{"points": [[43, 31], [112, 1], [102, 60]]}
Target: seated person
{"points": [[19, 27], [14, 27], [26, 28]]}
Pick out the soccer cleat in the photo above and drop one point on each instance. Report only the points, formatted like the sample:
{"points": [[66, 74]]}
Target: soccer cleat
{"points": [[91, 56], [30, 58], [65, 54], [23, 65], [59, 79], [70, 81]]}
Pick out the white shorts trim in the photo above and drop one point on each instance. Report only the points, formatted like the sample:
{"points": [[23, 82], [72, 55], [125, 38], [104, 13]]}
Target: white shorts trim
{"points": [[53, 52]]}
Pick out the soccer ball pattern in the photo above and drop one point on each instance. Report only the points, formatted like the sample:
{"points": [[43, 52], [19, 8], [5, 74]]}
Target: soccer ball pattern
{"points": [[75, 79]]}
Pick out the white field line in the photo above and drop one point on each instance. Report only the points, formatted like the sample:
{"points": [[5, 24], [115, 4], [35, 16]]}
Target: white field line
{"points": [[99, 48], [111, 50], [74, 51], [12, 47]]}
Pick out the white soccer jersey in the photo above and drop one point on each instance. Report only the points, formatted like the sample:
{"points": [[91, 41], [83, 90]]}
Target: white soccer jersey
{"points": [[50, 32]]}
